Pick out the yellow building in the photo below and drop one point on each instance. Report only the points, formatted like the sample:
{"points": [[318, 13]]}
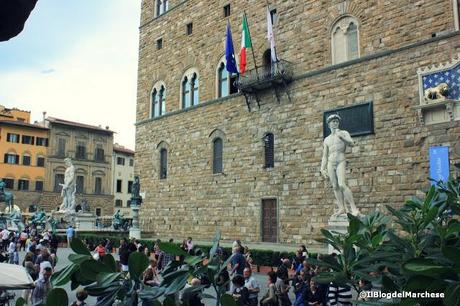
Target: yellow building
{"points": [[23, 148]]}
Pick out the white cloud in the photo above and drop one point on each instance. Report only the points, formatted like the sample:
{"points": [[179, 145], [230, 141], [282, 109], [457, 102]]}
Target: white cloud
{"points": [[93, 84]]}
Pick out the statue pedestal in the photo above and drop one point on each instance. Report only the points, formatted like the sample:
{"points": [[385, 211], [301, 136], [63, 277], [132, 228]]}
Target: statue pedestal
{"points": [[85, 221], [337, 224], [135, 231]]}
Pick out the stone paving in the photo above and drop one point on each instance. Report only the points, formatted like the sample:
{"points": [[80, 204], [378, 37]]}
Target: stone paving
{"points": [[63, 261]]}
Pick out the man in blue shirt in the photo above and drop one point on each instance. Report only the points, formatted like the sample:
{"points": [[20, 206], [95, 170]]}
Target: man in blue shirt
{"points": [[70, 234], [238, 262]]}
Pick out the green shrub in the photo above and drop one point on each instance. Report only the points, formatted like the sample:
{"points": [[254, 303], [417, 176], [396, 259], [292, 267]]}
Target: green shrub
{"points": [[261, 257]]}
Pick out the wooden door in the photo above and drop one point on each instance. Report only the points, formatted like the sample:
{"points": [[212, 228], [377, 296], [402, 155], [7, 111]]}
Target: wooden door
{"points": [[269, 220]]}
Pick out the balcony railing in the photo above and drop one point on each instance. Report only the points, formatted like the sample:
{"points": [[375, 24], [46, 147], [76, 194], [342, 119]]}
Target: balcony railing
{"points": [[279, 73]]}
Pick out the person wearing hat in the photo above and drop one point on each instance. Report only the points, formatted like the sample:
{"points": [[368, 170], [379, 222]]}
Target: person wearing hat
{"points": [[333, 164]]}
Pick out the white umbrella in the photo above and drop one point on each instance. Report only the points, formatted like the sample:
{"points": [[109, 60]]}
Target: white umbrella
{"points": [[14, 277]]}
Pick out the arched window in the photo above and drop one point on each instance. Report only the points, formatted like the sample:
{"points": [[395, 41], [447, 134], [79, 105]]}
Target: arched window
{"points": [[163, 163], [217, 155], [190, 89], [194, 82], [222, 77], [345, 40], [162, 7], [158, 107], [226, 81], [185, 93], [269, 147]]}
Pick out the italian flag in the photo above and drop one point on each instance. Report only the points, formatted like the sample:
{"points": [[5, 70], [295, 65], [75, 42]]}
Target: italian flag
{"points": [[245, 44]]}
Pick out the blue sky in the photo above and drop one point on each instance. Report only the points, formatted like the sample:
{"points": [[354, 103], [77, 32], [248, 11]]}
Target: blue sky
{"points": [[76, 60]]}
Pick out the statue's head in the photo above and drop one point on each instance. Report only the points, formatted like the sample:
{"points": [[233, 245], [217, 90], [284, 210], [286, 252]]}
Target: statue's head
{"points": [[333, 119], [68, 161]]}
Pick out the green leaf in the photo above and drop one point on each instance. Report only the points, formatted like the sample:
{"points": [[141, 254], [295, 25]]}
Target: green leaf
{"points": [[104, 279], [62, 277], [452, 294], [172, 249], [427, 267], [78, 258], [108, 298], [225, 264], [227, 300], [215, 245], [170, 277], [137, 263], [193, 260], [97, 290], [91, 268], [452, 253], [57, 296], [79, 247], [453, 228], [354, 224], [151, 293], [176, 285], [109, 261], [81, 278], [389, 285], [169, 301], [20, 302]]}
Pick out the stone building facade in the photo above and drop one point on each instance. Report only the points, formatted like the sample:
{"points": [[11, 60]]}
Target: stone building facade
{"points": [[90, 148], [123, 178], [175, 146]]}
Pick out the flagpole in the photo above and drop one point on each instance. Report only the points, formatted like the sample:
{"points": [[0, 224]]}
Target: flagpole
{"points": [[252, 49]]}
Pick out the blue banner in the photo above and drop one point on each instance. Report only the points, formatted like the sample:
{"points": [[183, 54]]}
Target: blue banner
{"points": [[439, 164]]}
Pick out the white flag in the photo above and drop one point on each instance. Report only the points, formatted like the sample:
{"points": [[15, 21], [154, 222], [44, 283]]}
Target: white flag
{"points": [[271, 37]]}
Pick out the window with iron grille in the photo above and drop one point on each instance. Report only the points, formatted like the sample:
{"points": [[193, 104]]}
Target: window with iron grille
{"points": [[217, 156], [10, 137], [10, 158], [163, 163], [98, 211], [26, 160], [120, 161], [130, 186], [23, 185], [118, 203], [269, 147], [98, 185], [9, 183], [131, 162], [80, 151], [80, 188], [38, 185], [58, 179], [28, 139], [40, 162]]}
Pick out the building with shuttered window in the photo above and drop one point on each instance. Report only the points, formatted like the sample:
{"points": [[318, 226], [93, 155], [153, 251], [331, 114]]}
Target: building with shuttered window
{"points": [[23, 150], [245, 157]]}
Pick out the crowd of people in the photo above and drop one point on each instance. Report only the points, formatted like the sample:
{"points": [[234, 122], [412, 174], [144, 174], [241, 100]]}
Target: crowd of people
{"points": [[288, 284]]}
